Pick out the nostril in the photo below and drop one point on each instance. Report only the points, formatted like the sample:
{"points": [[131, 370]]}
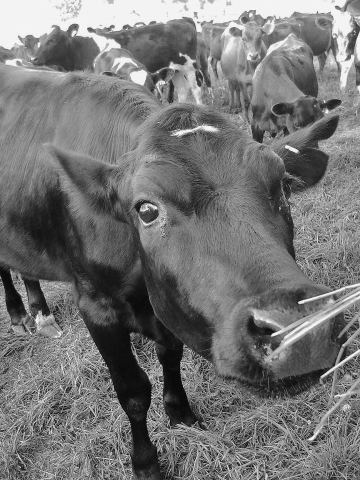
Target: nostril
{"points": [[260, 324]]}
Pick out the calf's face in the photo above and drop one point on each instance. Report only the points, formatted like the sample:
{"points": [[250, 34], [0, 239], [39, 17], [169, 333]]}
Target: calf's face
{"points": [[54, 50], [210, 218], [303, 111]]}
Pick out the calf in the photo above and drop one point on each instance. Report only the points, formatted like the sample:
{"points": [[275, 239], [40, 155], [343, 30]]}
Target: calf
{"points": [[5, 54], [285, 90], [121, 63], [346, 34], [211, 33], [66, 50], [165, 45], [29, 46], [210, 264], [242, 50]]}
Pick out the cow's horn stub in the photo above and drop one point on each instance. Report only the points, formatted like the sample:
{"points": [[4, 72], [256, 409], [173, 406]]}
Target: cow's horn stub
{"points": [[292, 149], [200, 128]]}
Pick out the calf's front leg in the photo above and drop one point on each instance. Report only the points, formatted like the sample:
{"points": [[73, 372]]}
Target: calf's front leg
{"points": [[176, 403], [105, 321]]}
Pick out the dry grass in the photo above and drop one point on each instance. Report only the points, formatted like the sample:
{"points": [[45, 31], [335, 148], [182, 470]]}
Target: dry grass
{"points": [[59, 418]]}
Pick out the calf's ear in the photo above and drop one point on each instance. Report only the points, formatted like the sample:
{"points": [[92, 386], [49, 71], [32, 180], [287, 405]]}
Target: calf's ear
{"points": [[308, 166], [330, 104], [268, 27], [95, 182], [282, 108], [235, 31]]}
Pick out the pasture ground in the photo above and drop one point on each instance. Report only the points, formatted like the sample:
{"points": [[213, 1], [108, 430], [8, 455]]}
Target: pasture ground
{"points": [[59, 416]]}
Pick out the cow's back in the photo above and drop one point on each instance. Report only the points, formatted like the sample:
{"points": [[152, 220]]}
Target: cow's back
{"points": [[300, 65], [158, 45], [318, 37], [286, 73]]}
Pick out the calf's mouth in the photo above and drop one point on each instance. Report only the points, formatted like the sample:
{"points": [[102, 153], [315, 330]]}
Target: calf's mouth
{"points": [[246, 348]]}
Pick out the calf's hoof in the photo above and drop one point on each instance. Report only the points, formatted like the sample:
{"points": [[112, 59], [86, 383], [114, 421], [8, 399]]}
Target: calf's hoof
{"points": [[19, 330], [26, 326], [47, 326], [179, 411], [150, 472]]}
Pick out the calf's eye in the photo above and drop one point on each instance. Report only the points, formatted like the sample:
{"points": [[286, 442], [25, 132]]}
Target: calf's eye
{"points": [[148, 212]]}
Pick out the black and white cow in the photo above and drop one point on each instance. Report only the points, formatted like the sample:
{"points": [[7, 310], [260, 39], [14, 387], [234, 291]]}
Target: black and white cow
{"points": [[170, 45], [346, 30]]}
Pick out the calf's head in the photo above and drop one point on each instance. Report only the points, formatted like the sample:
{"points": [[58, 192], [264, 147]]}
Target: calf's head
{"points": [[303, 111], [31, 43], [55, 48], [252, 36], [210, 218]]}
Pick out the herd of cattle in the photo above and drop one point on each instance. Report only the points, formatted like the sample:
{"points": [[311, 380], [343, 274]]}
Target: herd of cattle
{"points": [[268, 62], [168, 219]]}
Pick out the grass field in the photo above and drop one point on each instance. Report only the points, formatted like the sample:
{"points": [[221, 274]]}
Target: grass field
{"points": [[59, 416]]}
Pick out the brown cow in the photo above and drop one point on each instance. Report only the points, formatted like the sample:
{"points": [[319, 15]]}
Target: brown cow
{"points": [[242, 50]]}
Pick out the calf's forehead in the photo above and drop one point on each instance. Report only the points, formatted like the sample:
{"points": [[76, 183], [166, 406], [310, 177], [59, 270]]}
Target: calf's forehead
{"points": [[204, 164], [252, 32]]}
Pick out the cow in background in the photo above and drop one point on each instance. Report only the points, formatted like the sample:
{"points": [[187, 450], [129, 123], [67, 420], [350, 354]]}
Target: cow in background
{"points": [[346, 33], [242, 50], [67, 50], [119, 62], [202, 55], [285, 90], [211, 33], [30, 46], [314, 29], [165, 45], [5, 54]]}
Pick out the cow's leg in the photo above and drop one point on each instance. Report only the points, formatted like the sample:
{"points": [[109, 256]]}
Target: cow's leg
{"points": [[213, 63], [237, 97], [21, 322], [345, 69], [193, 82], [231, 94], [169, 351], [176, 403], [171, 90], [357, 79], [106, 322], [245, 101], [322, 60], [45, 321]]}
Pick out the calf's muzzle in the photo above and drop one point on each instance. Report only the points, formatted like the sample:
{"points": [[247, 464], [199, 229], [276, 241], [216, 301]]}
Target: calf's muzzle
{"points": [[245, 346]]}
